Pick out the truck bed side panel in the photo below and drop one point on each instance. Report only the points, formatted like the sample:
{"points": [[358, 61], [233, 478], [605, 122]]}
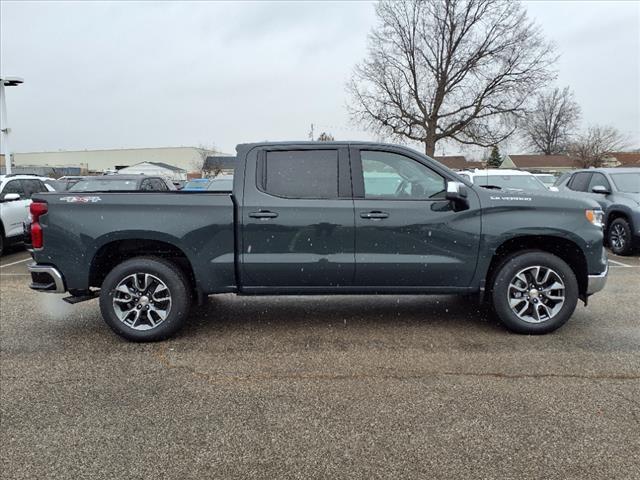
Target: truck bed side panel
{"points": [[200, 225]]}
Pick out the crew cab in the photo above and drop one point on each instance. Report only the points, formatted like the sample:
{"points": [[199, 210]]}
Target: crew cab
{"points": [[319, 218]]}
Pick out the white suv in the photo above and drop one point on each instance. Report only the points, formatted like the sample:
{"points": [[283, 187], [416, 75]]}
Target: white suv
{"points": [[15, 198], [514, 180]]}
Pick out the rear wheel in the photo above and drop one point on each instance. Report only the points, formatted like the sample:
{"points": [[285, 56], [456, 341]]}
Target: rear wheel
{"points": [[145, 299], [619, 237], [534, 292]]}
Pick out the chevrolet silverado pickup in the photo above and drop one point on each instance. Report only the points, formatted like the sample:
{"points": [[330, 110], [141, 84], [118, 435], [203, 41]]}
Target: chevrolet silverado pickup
{"points": [[319, 218]]}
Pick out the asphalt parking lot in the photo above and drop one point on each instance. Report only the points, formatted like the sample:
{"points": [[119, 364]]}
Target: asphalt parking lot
{"points": [[320, 387]]}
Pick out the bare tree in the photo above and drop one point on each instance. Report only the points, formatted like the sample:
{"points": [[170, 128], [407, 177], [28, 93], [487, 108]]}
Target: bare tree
{"points": [[449, 69], [325, 137], [594, 146], [549, 126]]}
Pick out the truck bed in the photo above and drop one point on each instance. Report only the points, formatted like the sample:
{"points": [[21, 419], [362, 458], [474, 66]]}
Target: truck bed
{"points": [[200, 224]]}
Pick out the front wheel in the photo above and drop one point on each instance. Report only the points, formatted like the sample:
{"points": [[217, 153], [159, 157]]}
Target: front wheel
{"points": [[145, 299], [534, 292], [619, 236]]}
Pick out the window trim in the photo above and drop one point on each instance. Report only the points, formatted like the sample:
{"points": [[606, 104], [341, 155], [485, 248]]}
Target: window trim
{"points": [[358, 174], [344, 188]]}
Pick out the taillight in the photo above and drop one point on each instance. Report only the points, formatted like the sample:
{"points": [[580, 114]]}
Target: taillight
{"points": [[36, 209]]}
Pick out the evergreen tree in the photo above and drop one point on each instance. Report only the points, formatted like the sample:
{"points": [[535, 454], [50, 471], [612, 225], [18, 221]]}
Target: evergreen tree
{"points": [[495, 159]]}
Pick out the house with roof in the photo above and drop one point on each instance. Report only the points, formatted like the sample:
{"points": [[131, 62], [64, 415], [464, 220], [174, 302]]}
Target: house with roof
{"points": [[175, 174], [540, 163], [624, 159]]}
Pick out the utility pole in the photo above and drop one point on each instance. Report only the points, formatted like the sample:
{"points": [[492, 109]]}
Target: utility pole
{"points": [[4, 126]]}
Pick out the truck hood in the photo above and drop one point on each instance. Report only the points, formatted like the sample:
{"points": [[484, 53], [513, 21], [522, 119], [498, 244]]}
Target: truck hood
{"points": [[561, 199]]}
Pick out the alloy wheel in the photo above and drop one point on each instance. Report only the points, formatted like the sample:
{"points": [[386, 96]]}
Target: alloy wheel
{"points": [[618, 237], [536, 294], [142, 301]]}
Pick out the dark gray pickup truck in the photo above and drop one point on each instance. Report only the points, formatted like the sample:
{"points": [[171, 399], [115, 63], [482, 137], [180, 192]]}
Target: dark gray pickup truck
{"points": [[319, 218]]}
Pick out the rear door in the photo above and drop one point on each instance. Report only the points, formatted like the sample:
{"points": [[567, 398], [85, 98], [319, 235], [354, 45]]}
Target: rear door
{"points": [[407, 233], [297, 219]]}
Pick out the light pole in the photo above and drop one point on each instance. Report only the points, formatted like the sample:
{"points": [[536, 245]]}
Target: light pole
{"points": [[6, 82]]}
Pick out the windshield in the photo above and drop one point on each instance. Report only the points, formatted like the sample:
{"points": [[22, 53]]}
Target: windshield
{"points": [[222, 185], [627, 182], [512, 182], [196, 185], [104, 185], [548, 180]]}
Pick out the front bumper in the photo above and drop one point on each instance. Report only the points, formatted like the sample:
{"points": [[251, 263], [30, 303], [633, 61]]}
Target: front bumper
{"points": [[45, 278], [597, 282]]}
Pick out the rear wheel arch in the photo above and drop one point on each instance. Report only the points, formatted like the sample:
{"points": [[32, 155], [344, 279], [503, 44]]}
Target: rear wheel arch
{"points": [[113, 253]]}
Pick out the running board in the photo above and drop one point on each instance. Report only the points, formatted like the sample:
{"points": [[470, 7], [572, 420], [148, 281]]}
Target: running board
{"points": [[73, 299]]}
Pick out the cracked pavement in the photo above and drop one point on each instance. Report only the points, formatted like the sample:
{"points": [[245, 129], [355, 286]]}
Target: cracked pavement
{"points": [[320, 387]]}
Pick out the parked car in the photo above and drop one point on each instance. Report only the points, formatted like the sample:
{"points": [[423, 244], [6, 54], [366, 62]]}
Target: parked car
{"points": [[113, 183], [512, 180], [15, 197], [68, 181], [547, 178], [310, 218], [221, 183], [617, 190]]}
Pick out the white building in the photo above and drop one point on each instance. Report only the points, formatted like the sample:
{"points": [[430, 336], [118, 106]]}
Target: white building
{"points": [[185, 158]]}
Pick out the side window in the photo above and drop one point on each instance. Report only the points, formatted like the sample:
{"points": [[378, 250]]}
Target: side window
{"points": [[396, 177], [300, 174], [580, 181], [13, 186], [598, 179], [158, 185], [32, 186]]}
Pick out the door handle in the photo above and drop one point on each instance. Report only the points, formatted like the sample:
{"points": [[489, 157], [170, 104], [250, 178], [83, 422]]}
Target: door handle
{"points": [[375, 215], [263, 214]]}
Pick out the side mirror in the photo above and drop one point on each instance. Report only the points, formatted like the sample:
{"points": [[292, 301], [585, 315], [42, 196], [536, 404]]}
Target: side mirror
{"points": [[11, 197], [457, 193], [602, 190], [554, 189]]}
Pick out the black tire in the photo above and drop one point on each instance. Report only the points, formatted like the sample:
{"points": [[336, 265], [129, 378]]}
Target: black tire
{"points": [[164, 272], [619, 237], [1, 243], [501, 291]]}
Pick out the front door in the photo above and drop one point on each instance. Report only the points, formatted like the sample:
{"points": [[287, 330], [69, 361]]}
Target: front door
{"points": [[407, 233], [297, 219]]}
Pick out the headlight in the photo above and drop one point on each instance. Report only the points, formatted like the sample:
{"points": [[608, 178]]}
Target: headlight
{"points": [[596, 217]]}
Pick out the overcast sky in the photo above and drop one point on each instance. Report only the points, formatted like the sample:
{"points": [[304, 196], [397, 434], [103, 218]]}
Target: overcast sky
{"points": [[127, 74]]}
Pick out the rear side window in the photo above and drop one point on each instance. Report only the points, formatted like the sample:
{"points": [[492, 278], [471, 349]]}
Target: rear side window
{"points": [[14, 186], [158, 185], [580, 181], [33, 186], [299, 174]]}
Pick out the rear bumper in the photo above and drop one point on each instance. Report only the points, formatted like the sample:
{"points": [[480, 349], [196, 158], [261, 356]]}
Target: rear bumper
{"points": [[45, 278], [597, 282]]}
